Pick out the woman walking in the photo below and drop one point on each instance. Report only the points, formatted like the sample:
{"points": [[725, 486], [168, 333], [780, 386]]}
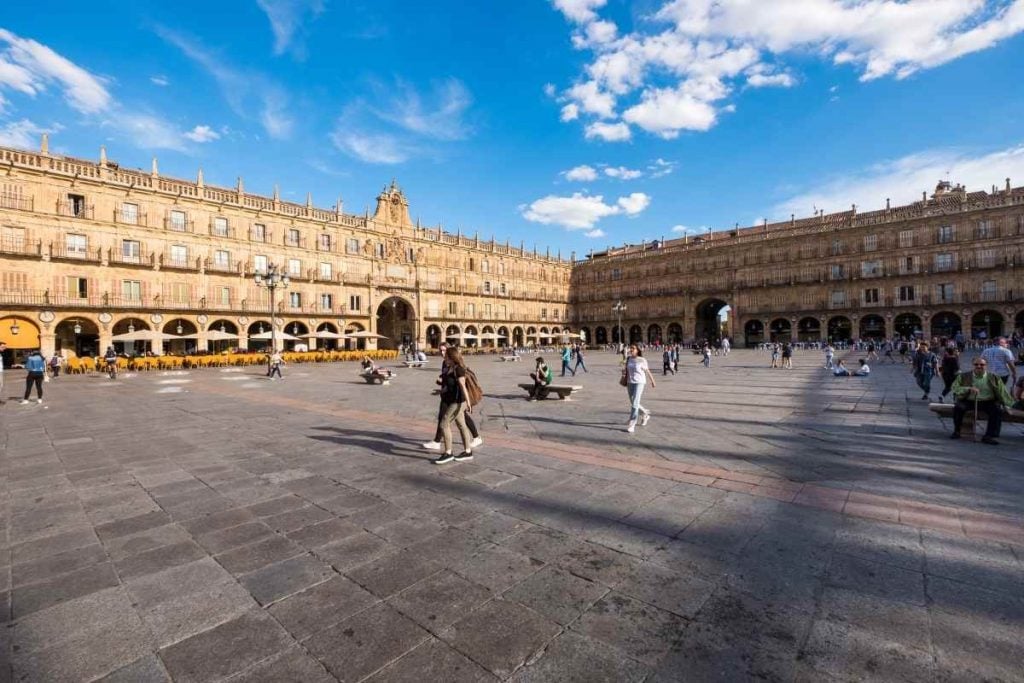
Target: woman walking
{"points": [[435, 444], [635, 377], [948, 370], [924, 365], [455, 398], [787, 356]]}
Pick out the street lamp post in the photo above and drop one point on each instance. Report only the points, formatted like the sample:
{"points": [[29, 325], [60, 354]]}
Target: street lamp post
{"points": [[272, 279], [618, 308]]}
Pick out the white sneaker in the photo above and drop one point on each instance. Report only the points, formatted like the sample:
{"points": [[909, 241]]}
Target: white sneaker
{"points": [[432, 445], [39, 400], [475, 443], [631, 427], [23, 401], [645, 419]]}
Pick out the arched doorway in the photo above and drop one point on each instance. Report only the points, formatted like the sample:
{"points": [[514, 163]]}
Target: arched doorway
{"points": [[221, 336], [433, 336], [709, 321], [840, 329], [396, 320], [781, 330], [531, 335], [675, 333], [503, 337], [297, 330], [987, 324], [617, 335], [21, 336], [753, 332], [130, 347], [1018, 323], [808, 329], [180, 327], [325, 344], [636, 334], [585, 336], [518, 338], [907, 325], [261, 343], [601, 336], [946, 324], [654, 334], [78, 336], [872, 327], [471, 329], [354, 344]]}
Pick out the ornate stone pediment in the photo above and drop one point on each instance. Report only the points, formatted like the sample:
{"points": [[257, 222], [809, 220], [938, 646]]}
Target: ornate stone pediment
{"points": [[392, 207]]}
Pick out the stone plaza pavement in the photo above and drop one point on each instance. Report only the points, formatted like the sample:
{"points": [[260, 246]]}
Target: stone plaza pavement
{"points": [[767, 524]]}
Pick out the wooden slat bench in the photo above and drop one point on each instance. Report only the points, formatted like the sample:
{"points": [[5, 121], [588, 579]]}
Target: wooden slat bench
{"points": [[967, 428], [564, 391]]}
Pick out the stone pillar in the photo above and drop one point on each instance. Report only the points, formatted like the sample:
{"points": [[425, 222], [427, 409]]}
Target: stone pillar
{"points": [[794, 330], [243, 338], [105, 334], [202, 343], [47, 343]]}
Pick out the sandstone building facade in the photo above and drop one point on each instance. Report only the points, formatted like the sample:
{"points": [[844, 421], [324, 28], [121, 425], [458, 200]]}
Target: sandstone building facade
{"points": [[90, 251]]}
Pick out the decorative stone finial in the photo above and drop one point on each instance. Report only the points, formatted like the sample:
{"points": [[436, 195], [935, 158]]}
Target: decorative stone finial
{"points": [[44, 144], [339, 207], [1007, 184], [103, 155], [887, 203], [199, 178], [277, 192], [309, 200], [155, 171], [241, 186]]}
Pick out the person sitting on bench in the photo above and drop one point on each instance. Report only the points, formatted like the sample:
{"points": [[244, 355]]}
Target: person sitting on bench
{"points": [[371, 368], [541, 377], [984, 392]]}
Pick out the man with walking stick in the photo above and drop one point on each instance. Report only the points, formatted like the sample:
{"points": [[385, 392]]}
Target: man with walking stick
{"points": [[980, 390]]}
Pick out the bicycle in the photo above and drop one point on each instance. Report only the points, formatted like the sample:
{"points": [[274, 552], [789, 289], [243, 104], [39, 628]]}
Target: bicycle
{"points": [[112, 370]]}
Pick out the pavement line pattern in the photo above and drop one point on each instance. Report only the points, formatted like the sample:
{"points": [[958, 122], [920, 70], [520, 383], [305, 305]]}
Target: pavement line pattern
{"points": [[955, 520]]}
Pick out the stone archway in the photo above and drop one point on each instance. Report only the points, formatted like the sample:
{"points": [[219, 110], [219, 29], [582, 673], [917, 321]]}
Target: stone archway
{"points": [[601, 335], [781, 330], [180, 326], [653, 334], [396, 320], [127, 326], [872, 327], [987, 324], [618, 337], [808, 329], [708, 323], [79, 336], [675, 333], [503, 337], [433, 336], [258, 327], [840, 329], [296, 329], [907, 325], [946, 324], [21, 336], [221, 344], [753, 332], [518, 340], [636, 334]]}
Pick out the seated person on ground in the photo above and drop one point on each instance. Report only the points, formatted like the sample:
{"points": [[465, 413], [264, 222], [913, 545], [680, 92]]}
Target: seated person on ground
{"points": [[864, 370], [421, 356], [840, 370], [541, 377], [371, 368]]}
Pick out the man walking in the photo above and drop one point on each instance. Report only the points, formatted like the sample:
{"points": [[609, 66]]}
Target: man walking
{"points": [[984, 392], [830, 353], [579, 359], [1001, 361], [3, 350], [566, 360]]}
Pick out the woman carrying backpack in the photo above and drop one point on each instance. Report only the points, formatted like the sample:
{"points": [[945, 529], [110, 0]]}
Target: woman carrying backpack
{"points": [[455, 397]]}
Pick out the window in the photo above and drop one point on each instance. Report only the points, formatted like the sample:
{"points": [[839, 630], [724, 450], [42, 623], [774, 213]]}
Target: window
{"points": [[177, 221], [944, 293], [131, 289], [222, 259], [324, 242], [76, 245], [988, 290], [352, 246], [179, 254], [410, 255], [78, 287], [378, 249], [452, 308], [870, 268], [294, 267], [985, 230], [470, 310], [616, 274], [259, 264], [946, 234], [871, 296], [501, 311], [543, 314], [836, 272], [295, 299], [220, 227], [326, 302], [131, 251], [293, 238], [179, 292], [485, 267], [259, 232], [472, 264], [487, 287], [354, 303], [906, 238], [837, 247], [838, 297], [326, 271], [130, 213], [907, 265], [906, 293], [502, 289], [986, 258], [225, 296], [870, 242], [487, 310], [943, 262], [76, 203]]}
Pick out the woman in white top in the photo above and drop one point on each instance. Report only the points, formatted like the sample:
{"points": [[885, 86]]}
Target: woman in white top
{"points": [[636, 374]]}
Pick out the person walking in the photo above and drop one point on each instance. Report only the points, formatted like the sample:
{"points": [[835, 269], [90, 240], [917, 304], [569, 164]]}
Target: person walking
{"points": [[726, 345], [566, 360], [948, 370], [35, 364], [3, 350], [635, 376], [55, 363], [925, 365], [675, 358], [775, 356], [706, 353], [276, 361], [435, 444], [455, 397], [830, 353], [787, 356], [984, 392], [1001, 361], [579, 359], [666, 362]]}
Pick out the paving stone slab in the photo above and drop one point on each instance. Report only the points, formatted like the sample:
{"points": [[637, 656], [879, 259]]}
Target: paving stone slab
{"points": [[497, 568], [557, 594], [640, 631], [571, 657], [159, 559], [54, 565], [393, 572], [254, 556], [292, 666], [321, 606], [148, 669], [186, 614], [440, 600], [36, 596], [281, 579]]}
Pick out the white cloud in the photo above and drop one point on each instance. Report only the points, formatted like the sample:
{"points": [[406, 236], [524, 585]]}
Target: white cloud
{"points": [[681, 228], [676, 70], [145, 130], [438, 115], [581, 211], [904, 179], [582, 173], [634, 203], [28, 67], [287, 20], [661, 168], [373, 148], [570, 112], [550, 90], [596, 232], [22, 134], [622, 173], [202, 134], [159, 80], [245, 92], [611, 132]]}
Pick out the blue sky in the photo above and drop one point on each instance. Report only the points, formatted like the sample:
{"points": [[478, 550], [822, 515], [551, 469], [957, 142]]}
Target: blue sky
{"points": [[573, 124]]}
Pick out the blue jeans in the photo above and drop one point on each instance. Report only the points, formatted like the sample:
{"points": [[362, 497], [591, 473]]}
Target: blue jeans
{"points": [[635, 391], [707, 361]]}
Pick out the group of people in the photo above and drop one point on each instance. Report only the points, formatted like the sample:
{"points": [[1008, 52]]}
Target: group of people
{"points": [[457, 400]]}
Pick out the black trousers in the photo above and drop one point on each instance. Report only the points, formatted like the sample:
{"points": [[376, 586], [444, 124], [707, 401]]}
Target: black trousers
{"points": [[947, 385], [34, 378], [439, 434], [992, 410]]}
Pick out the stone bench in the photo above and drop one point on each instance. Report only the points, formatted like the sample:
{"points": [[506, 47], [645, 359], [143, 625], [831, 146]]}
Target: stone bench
{"points": [[511, 359], [372, 377], [967, 428], [564, 391], [414, 363]]}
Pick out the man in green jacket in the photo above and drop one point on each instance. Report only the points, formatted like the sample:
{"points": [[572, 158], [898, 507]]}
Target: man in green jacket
{"points": [[983, 392]]}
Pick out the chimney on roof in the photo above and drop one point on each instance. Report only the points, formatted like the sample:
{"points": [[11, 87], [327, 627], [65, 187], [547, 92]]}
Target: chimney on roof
{"points": [[44, 144], [792, 219], [338, 209]]}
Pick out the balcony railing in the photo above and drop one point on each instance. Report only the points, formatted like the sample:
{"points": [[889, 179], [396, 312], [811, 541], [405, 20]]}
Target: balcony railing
{"points": [[255, 236], [62, 251], [21, 247], [119, 257], [221, 266], [167, 261], [130, 217], [221, 230], [76, 210], [295, 241], [19, 202], [176, 225]]}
